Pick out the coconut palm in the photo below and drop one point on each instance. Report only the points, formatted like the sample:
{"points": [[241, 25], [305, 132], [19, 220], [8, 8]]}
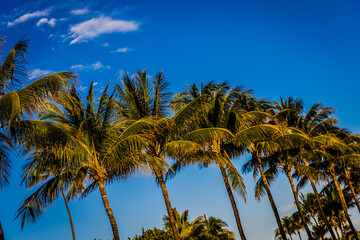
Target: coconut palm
{"points": [[17, 101], [334, 151], [165, 138], [91, 140], [187, 230], [314, 123], [290, 227], [215, 229], [224, 110]]}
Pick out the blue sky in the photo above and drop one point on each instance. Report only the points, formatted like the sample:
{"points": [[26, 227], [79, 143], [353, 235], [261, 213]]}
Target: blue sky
{"points": [[306, 49]]}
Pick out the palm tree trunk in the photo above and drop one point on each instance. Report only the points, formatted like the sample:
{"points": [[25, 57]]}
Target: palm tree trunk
{"points": [[69, 213], [343, 202], [288, 174], [233, 203], [108, 210], [348, 180], [2, 237], [273, 206], [337, 233], [317, 197], [170, 211], [299, 235]]}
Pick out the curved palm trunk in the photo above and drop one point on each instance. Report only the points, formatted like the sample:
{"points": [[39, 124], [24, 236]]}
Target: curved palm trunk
{"points": [[353, 193], [69, 213], [2, 237], [337, 232], [273, 206], [233, 203], [299, 235], [318, 200], [169, 209], [343, 202], [288, 174], [108, 210]]}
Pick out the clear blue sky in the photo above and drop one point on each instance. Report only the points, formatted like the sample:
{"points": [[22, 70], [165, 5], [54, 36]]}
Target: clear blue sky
{"points": [[306, 49]]}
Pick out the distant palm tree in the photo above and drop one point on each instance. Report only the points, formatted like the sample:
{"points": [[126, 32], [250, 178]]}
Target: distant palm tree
{"points": [[17, 101], [215, 229], [289, 225], [187, 230]]}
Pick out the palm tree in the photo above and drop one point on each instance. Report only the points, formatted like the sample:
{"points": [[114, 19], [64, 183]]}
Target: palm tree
{"points": [[288, 111], [165, 138], [289, 225], [334, 152], [187, 230], [92, 141], [314, 123], [17, 101], [215, 229], [224, 111], [44, 169]]}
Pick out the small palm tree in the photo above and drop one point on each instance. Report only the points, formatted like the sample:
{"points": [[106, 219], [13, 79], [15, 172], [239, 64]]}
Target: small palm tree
{"points": [[45, 169]]}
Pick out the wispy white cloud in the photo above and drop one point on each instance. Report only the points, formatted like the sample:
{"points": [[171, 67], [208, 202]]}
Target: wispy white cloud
{"points": [[122, 50], [36, 73], [286, 207], [106, 44], [51, 22], [82, 88], [29, 16], [92, 28], [80, 11], [97, 66], [78, 67]]}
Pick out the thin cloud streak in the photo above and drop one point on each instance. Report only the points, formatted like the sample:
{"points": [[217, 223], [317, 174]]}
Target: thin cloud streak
{"points": [[36, 73], [286, 207], [29, 16], [80, 11], [82, 32]]}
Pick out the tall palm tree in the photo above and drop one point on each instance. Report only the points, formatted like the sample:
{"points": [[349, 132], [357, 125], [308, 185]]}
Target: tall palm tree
{"points": [[334, 151], [91, 140], [224, 111], [314, 123], [287, 113], [17, 101], [166, 138]]}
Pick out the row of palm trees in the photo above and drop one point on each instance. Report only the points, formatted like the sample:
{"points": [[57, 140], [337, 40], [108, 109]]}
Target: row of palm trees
{"points": [[74, 147]]}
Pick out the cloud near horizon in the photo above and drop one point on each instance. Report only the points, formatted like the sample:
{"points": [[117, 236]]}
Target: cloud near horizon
{"points": [[29, 16], [82, 32]]}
